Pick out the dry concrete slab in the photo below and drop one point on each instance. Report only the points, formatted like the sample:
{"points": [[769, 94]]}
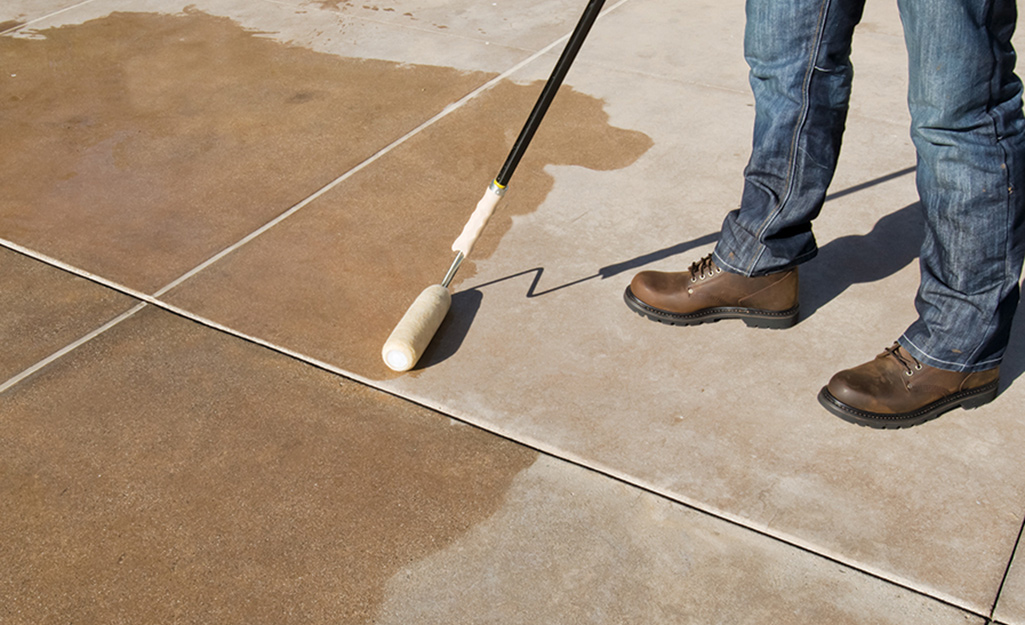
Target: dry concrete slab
{"points": [[561, 547], [701, 43], [525, 25], [168, 472], [465, 35], [539, 346]]}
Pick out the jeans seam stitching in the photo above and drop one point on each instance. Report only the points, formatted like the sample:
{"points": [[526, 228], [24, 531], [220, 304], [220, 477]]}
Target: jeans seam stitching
{"points": [[798, 132]]}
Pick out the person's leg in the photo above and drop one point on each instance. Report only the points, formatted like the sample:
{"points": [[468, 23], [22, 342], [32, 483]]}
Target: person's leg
{"points": [[968, 129], [967, 125], [799, 54]]}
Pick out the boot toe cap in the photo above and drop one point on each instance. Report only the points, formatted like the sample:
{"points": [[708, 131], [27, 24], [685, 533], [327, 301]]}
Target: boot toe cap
{"points": [[651, 286], [852, 390]]}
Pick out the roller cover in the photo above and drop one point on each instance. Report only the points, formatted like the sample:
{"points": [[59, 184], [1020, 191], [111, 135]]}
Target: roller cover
{"points": [[415, 330]]}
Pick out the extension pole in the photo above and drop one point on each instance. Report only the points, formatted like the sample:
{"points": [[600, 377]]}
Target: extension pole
{"points": [[415, 330]]}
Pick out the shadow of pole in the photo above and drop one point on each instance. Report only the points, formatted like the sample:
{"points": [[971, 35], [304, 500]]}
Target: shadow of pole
{"points": [[609, 270], [635, 263], [871, 183], [466, 304], [888, 248]]}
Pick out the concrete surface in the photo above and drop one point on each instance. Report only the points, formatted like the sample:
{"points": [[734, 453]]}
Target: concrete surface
{"points": [[284, 177], [46, 310]]}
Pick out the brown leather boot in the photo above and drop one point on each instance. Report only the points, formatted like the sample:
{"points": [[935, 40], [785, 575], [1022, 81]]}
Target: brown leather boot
{"points": [[707, 293], [897, 391]]}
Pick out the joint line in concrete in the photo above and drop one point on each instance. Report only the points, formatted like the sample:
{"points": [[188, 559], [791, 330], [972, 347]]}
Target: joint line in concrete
{"points": [[45, 17]]}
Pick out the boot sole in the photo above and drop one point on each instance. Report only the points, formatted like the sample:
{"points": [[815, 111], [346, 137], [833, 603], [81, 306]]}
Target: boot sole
{"points": [[753, 317], [968, 400]]}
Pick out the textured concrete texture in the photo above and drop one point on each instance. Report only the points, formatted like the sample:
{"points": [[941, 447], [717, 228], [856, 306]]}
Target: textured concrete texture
{"points": [[45, 310], [292, 174]]}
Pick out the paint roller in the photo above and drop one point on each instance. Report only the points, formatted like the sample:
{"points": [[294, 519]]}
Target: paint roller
{"points": [[417, 327]]}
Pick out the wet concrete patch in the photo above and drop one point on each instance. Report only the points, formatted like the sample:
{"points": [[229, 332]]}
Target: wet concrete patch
{"points": [[137, 145], [332, 281], [43, 309], [169, 473]]}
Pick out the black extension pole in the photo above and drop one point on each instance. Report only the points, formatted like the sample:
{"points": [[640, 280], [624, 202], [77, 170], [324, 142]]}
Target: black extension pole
{"points": [[417, 327], [569, 53]]}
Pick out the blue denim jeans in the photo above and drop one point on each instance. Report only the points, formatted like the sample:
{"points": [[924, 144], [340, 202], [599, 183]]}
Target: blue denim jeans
{"points": [[969, 133]]}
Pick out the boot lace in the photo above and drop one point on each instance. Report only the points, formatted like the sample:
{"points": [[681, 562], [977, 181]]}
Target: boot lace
{"points": [[909, 367], [703, 269]]}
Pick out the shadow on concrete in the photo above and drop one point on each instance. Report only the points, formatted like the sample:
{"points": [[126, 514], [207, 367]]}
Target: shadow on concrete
{"points": [[896, 222], [453, 329], [466, 304], [871, 183], [1014, 360], [609, 270], [891, 245]]}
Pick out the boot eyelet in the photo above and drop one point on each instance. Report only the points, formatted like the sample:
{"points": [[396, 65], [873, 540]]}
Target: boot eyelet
{"points": [[909, 372]]}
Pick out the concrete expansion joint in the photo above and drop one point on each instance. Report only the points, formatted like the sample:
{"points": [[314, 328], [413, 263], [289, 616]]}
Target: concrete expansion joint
{"points": [[47, 16]]}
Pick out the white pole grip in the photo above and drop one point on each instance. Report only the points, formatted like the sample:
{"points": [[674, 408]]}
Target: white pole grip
{"points": [[479, 219], [415, 330]]}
